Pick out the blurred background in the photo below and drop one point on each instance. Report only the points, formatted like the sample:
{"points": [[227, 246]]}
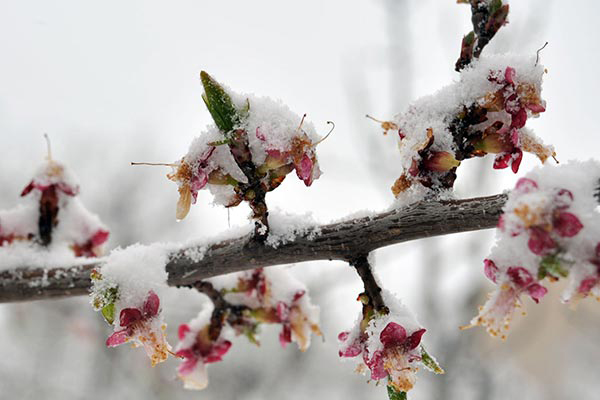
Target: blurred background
{"points": [[113, 82]]}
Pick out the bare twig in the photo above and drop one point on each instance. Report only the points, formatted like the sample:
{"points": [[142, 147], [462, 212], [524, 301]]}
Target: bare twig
{"points": [[345, 240]]}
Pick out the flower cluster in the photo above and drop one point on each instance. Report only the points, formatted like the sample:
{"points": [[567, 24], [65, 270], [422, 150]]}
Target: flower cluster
{"points": [[125, 285], [253, 145], [541, 236], [485, 112], [143, 326], [197, 349], [50, 214], [389, 345], [242, 302]]}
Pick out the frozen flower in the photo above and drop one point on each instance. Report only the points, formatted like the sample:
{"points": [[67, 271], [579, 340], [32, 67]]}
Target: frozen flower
{"points": [[497, 313], [50, 214], [271, 296], [389, 345], [145, 328], [197, 349], [252, 146], [484, 113]]}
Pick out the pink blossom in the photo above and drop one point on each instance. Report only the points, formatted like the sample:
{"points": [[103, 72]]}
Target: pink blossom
{"points": [[143, 326], [196, 355]]}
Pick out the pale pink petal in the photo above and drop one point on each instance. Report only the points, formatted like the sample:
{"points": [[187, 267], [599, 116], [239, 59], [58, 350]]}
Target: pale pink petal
{"points": [[490, 270], [117, 338], [537, 291]]}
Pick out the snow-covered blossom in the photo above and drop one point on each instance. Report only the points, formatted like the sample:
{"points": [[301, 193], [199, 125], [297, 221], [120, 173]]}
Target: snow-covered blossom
{"points": [[198, 349], [272, 296], [242, 302], [127, 284], [254, 143], [484, 112], [389, 345], [143, 327], [51, 215], [549, 230]]}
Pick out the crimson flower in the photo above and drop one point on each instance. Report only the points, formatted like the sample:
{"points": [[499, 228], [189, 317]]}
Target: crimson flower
{"points": [[143, 326]]}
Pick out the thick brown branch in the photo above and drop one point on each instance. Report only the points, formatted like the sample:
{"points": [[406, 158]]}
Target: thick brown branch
{"points": [[344, 240]]}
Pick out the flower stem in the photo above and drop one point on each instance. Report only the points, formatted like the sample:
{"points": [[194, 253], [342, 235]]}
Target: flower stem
{"points": [[372, 289]]}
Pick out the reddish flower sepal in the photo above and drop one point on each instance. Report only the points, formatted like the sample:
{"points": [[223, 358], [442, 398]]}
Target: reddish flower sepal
{"points": [[143, 326]]}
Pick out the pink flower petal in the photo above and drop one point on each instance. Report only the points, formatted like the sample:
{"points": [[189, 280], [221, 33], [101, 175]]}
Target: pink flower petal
{"points": [[218, 351], [99, 237], [353, 350], [537, 291], [509, 75], [517, 157], [376, 365], [117, 338], [525, 185], [519, 118], [586, 285], [343, 336], [260, 135], [183, 330], [28, 189], [414, 340], [304, 169], [501, 161], [393, 334], [187, 366], [563, 198], [129, 316], [519, 276], [540, 241], [567, 224], [536, 108], [490, 270], [151, 305], [285, 336]]}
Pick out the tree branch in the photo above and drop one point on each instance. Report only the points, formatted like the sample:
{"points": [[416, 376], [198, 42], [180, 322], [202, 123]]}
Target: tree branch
{"points": [[345, 240]]}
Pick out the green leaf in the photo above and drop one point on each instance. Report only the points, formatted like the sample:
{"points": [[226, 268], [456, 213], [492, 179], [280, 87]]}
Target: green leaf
{"points": [[219, 104], [108, 312], [430, 363], [469, 38], [552, 265], [495, 6], [393, 394]]}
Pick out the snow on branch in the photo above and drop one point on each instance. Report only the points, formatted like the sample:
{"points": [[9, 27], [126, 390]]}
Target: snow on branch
{"points": [[342, 240]]}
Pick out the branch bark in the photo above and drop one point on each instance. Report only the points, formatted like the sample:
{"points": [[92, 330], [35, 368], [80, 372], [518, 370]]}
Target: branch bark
{"points": [[345, 240]]}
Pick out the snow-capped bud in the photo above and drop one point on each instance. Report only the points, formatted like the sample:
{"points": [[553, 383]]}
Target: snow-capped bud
{"points": [[441, 161]]}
